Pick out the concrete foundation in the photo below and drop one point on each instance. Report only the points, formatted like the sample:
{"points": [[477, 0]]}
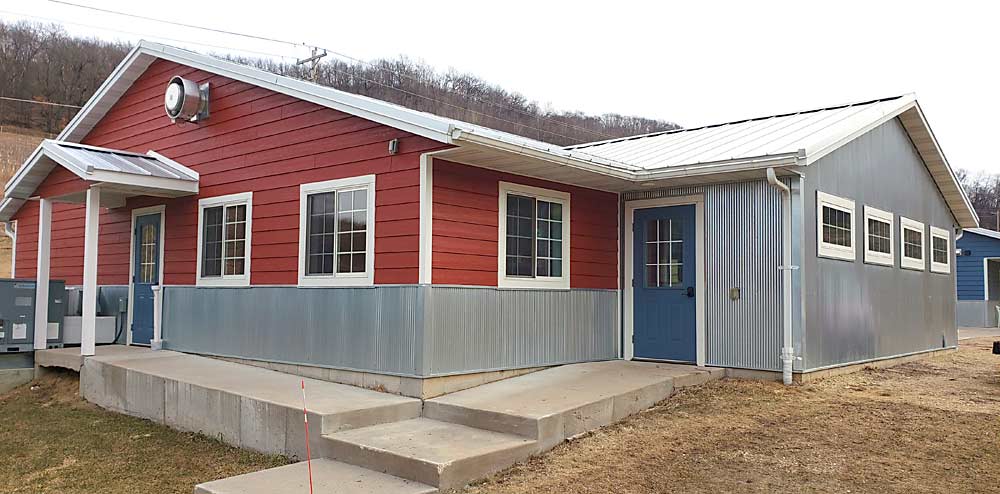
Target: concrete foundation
{"points": [[809, 376], [423, 388]]}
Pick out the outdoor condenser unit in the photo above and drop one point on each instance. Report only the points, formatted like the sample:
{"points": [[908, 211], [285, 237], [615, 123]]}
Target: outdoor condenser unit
{"points": [[17, 314]]}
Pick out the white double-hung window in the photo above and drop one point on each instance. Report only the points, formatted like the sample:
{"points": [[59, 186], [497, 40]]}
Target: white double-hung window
{"points": [[878, 237], [534, 237], [835, 226], [911, 245], [224, 227], [940, 250], [337, 232]]}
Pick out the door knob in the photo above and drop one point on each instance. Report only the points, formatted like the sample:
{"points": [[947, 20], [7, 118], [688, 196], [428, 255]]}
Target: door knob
{"points": [[690, 291]]}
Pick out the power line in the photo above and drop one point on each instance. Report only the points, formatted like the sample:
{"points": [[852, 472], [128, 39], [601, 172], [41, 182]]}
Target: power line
{"points": [[146, 35], [290, 43], [47, 103]]}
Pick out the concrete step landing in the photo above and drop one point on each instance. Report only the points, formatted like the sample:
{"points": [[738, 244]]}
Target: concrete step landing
{"points": [[440, 454], [328, 476]]}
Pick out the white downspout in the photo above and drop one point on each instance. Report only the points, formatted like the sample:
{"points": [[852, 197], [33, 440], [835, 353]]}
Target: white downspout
{"points": [[787, 352]]}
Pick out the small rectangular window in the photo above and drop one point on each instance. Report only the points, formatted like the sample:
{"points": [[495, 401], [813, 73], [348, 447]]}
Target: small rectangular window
{"points": [[223, 249], [912, 244], [664, 253], [835, 226], [940, 250], [534, 237], [336, 232], [878, 236]]}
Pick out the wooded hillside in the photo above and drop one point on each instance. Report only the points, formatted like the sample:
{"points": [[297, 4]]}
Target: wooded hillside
{"points": [[44, 63]]}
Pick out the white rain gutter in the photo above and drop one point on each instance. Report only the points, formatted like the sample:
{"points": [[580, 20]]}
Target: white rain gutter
{"points": [[787, 352]]}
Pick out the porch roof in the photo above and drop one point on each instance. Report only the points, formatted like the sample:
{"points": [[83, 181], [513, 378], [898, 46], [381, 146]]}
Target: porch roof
{"points": [[121, 172]]}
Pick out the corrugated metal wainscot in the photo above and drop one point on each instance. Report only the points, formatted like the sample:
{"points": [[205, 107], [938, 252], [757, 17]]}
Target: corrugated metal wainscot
{"points": [[406, 330]]}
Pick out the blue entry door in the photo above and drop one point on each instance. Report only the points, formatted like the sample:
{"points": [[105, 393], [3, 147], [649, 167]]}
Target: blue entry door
{"points": [[664, 296], [145, 274]]}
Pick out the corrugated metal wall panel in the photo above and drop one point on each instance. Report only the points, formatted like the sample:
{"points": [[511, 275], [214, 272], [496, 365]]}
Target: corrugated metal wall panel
{"points": [[405, 330], [487, 328], [743, 250]]}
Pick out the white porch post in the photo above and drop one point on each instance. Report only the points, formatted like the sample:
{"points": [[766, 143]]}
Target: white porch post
{"points": [[87, 336], [157, 342], [42, 278]]}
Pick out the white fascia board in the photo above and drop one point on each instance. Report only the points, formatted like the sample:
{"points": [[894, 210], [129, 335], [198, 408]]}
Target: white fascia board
{"points": [[143, 181], [67, 133], [951, 171], [753, 163], [173, 165], [23, 171], [425, 125], [824, 147]]}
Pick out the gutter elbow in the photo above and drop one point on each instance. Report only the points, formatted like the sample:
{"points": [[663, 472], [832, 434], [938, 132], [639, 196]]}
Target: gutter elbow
{"points": [[772, 179]]}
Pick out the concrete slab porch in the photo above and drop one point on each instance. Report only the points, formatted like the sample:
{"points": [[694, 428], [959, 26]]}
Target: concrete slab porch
{"points": [[372, 441]]}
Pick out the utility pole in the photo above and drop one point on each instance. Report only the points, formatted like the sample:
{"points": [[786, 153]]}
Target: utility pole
{"points": [[313, 61]]}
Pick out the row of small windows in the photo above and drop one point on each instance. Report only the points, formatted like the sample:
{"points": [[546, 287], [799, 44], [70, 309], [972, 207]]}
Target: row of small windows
{"points": [[836, 236]]}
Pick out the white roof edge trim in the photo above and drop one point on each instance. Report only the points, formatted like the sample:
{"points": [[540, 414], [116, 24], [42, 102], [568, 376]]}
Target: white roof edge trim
{"points": [[419, 123], [951, 171], [905, 102], [177, 167], [99, 94], [986, 232]]}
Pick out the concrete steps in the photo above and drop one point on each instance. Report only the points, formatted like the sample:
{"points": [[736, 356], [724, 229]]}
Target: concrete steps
{"points": [[328, 477], [441, 454], [245, 406], [556, 404]]}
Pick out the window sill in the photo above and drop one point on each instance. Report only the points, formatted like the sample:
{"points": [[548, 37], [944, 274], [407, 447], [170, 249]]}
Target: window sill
{"points": [[836, 254], [878, 260], [940, 268], [553, 284], [210, 282], [913, 265], [335, 281]]}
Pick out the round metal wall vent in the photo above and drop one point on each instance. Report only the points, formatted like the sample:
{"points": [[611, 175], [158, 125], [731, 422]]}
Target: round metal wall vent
{"points": [[185, 100]]}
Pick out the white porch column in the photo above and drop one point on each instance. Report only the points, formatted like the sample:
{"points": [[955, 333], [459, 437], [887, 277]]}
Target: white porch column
{"points": [[42, 277], [157, 341], [87, 336]]}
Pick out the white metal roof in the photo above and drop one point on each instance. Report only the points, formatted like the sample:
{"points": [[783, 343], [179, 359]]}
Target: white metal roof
{"points": [[984, 232], [117, 171], [732, 151], [807, 134]]}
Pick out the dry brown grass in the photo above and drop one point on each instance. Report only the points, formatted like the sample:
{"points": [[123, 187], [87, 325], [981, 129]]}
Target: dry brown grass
{"points": [[926, 426], [51, 441]]}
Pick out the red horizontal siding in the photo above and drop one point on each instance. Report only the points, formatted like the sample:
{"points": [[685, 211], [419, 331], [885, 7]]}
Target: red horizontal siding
{"points": [[465, 229], [255, 140]]}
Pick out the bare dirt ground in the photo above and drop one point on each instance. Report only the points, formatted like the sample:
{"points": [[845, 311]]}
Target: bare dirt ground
{"points": [[926, 426], [51, 441]]}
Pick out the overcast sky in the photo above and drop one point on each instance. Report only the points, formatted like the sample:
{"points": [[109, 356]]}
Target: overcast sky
{"points": [[693, 63]]}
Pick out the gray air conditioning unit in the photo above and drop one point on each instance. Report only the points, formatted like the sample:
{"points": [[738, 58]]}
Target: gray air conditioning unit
{"points": [[185, 100]]}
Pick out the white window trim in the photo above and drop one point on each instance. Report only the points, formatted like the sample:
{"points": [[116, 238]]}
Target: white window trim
{"points": [[907, 262], [504, 281], [366, 278], [937, 267], [874, 257], [227, 200], [834, 251]]}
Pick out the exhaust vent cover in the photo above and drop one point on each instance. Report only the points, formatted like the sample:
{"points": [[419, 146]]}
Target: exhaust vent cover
{"points": [[185, 100]]}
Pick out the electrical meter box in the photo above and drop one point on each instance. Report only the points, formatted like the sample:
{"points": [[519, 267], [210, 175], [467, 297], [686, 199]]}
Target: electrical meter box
{"points": [[17, 315]]}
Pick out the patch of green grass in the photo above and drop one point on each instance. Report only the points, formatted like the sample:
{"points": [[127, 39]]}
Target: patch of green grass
{"points": [[53, 441]]}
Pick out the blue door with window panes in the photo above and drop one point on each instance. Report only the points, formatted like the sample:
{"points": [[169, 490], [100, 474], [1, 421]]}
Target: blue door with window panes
{"points": [[146, 274], [663, 284]]}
